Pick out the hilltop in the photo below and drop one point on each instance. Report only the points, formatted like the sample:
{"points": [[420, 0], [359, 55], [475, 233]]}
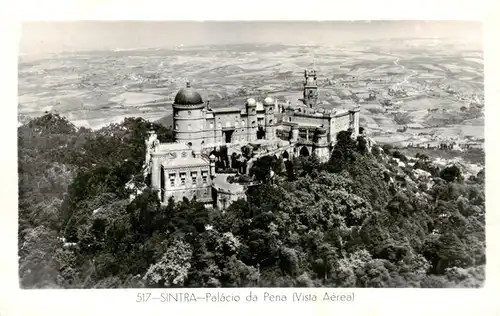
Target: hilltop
{"points": [[370, 217]]}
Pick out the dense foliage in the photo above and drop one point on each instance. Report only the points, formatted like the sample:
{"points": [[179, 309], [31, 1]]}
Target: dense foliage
{"points": [[360, 220]]}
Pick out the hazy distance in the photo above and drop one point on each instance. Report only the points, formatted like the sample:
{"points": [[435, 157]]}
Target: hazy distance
{"points": [[55, 37]]}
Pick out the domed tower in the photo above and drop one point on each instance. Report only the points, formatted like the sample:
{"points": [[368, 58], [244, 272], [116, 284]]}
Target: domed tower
{"points": [[321, 147], [189, 117], [269, 107], [251, 107]]}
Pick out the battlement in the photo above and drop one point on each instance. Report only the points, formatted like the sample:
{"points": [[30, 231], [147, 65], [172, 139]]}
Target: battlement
{"points": [[310, 73]]}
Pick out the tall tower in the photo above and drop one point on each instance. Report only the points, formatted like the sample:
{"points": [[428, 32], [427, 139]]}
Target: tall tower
{"points": [[189, 117], [251, 106], [310, 95], [269, 107]]}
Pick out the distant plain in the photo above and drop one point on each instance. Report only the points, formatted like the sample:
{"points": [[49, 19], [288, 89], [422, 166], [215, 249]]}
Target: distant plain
{"points": [[440, 78]]}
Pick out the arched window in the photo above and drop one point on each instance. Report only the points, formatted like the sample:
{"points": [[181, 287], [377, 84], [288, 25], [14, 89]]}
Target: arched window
{"points": [[304, 151], [253, 123], [270, 121]]}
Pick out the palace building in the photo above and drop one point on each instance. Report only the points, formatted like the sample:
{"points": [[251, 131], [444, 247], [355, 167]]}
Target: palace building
{"points": [[186, 168]]}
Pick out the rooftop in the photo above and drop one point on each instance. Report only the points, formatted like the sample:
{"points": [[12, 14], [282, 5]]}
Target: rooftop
{"points": [[220, 183], [188, 161], [227, 109], [188, 96], [172, 146]]}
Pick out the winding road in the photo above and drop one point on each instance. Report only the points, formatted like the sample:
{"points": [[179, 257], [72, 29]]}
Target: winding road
{"points": [[396, 62]]}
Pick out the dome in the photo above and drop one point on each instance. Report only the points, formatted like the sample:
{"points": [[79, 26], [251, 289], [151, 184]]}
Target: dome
{"points": [[251, 102], [188, 96], [268, 101]]}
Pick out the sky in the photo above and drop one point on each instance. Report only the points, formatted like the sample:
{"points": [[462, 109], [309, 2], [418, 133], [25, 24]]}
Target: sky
{"points": [[55, 37]]}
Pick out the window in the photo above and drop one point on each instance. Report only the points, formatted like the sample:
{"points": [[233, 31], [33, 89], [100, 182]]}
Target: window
{"points": [[194, 176], [176, 126], [270, 121], [172, 179], [253, 123], [183, 178], [289, 119], [242, 123], [211, 125], [189, 127], [189, 112], [204, 174]]}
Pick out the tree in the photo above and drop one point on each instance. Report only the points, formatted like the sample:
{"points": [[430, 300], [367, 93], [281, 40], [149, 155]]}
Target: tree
{"points": [[173, 267], [38, 267], [450, 174], [261, 168]]}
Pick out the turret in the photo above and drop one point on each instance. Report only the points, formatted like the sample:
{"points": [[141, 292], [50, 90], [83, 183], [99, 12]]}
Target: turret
{"points": [[354, 121], [251, 107], [212, 165], [320, 146], [269, 108], [295, 134]]}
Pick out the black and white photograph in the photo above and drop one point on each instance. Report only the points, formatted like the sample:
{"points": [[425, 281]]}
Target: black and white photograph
{"points": [[251, 154]]}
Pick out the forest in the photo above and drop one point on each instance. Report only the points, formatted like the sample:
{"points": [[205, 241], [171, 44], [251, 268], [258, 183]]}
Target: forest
{"points": [[359, 220]]}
